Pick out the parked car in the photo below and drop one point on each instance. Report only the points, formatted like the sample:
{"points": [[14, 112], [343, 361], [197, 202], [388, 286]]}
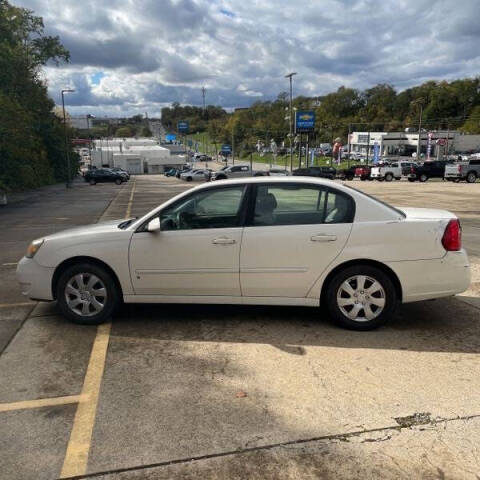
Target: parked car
{"points": [[101, 175], [171, 172], [332, 245], [121, 170], [363, 172], [235, 171], [468, 171], [278, 172], [197, 175], [185, 169], [322, 172], [390, 171], [348, 173], [201, 157], [424, 171]]}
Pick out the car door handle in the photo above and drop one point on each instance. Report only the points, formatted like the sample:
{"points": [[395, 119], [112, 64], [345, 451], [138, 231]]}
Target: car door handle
{"points": [[223, 241], [323, 238]]}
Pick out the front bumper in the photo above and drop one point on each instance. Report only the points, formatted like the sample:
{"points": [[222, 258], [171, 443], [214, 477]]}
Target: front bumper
{"points": [[35, 280]]}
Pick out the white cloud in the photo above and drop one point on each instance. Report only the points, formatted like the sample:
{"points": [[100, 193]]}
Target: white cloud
{"points": [[153, 53]]}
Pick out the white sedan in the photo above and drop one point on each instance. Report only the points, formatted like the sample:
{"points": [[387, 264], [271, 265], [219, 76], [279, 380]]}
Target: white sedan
{"points": [[266, 240], [197, 175]]}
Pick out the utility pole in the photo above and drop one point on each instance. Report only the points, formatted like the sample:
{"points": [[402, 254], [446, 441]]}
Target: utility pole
{"points": [[289, 76], [204, 91], [233, 145], [68, 90]]}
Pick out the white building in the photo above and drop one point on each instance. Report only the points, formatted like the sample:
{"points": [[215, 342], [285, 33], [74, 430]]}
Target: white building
{"points": [[405, 143], [136, 155]]}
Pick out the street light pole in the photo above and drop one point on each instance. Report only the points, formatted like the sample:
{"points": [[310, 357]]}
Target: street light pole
{"points": [[68, 90], [289, 76]]}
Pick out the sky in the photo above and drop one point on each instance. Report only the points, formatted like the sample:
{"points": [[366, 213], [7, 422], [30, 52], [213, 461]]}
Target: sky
{"points": [[136, 56]]}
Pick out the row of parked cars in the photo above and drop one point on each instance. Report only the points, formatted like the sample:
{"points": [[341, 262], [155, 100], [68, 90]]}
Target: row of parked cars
{"points": [[451, 171]]}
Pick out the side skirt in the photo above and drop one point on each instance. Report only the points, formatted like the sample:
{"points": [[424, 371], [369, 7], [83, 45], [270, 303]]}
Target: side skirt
{"points": [[304, 302]]}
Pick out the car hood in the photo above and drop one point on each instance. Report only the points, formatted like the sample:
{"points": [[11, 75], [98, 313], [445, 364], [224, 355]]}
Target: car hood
{"points": [[102, 227], [426, 213]]}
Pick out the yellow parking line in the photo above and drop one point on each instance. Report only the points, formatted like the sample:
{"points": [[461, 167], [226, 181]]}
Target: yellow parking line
{"points": [[41, 402], [76, 457], [129, 206]]}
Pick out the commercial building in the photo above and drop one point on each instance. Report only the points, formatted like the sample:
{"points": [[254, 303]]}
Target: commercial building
{"points": [[405, 143], [136, 155]]}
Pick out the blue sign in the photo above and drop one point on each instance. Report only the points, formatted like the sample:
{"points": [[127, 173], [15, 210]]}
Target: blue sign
{"points": [[182, 127], [376, 152], [226, 149], [304, 122], [170, 137]]}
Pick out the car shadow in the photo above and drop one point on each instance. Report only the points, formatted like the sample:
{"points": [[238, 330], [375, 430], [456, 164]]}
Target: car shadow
{"points": [[444, 325]]}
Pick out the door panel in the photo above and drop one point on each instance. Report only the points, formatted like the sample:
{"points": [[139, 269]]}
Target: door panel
{"points": [[286, 260], [295, 233], [186, 262]]}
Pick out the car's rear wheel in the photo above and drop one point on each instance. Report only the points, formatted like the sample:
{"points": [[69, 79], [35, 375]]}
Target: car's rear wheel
{"points": [[188, 179], [423, 178], [471, 177], [87, 294], [361, 297], [411, 179], [118, 181]]}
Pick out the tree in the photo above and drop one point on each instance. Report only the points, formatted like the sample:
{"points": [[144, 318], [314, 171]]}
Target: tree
{"points": [[32, 150], [472, 125], [123, 132]]}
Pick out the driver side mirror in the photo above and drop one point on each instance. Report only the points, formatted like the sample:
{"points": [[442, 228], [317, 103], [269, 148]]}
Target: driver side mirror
{"points": [[154, 225]]}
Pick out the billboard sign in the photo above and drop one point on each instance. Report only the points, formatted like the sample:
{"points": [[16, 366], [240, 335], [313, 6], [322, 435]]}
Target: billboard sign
{"points": [[304, 122], [182, 127], [226, 149]]}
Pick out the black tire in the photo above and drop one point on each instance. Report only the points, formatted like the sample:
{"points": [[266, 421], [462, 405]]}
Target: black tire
{"points": [[188, 179], [471, 177], [411, 179], [456, 180], [423, 178], [112, 298], [349, 178], [221, 177], [389, 295], [92, 181], [388, 177], [118, 181], [363, 179], [398, 178], [380, 179]]}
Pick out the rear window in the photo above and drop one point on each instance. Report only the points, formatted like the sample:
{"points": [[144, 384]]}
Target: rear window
{"points": [[396, 210]]}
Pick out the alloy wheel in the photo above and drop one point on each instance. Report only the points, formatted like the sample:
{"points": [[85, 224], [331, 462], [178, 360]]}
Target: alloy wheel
{"points": [[85, 294], [361, 298]]}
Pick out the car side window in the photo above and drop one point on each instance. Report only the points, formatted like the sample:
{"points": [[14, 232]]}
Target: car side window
{"points": [[301, 205], [212, 208]]}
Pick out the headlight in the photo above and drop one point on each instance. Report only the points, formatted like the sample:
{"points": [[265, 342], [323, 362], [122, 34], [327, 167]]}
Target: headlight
{"points": [[33, 248]]}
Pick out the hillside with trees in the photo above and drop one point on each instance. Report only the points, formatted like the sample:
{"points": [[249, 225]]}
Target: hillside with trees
{"points": [[444, 105], [32, 146]]}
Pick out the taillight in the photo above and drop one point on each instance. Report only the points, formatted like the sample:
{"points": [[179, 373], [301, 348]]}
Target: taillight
{"points": [[452, 237], [412, 170], [459, 168]]}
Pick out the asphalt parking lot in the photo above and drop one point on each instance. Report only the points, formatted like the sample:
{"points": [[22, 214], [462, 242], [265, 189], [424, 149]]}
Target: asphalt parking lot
{"points": [[170, 391]]}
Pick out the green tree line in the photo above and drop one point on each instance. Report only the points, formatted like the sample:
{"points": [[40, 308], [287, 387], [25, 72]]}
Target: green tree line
{"points": [[444, 105], [32, 147]]}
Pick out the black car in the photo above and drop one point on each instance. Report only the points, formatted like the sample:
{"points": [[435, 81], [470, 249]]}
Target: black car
{"points": [[348, 173], [432, 169], [323, 172], [101, 175]]}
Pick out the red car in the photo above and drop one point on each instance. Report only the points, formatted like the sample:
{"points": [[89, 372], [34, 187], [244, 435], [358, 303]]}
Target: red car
{"points": [[363, 172]]}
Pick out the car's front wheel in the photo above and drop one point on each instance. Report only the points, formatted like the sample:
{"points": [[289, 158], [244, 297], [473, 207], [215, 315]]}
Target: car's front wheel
{"points": [[87, 294], [388, 177], [92, 181], [361, 297]]}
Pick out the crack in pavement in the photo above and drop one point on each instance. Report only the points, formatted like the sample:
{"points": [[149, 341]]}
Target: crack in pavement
{"points": [[403, 423]]}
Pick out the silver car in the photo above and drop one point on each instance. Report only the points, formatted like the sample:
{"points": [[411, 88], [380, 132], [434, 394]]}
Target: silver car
{"points": [[197, 175]]}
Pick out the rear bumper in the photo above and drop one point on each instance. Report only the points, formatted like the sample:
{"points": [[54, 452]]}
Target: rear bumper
{"points": [[428, 279], [35, 281]]}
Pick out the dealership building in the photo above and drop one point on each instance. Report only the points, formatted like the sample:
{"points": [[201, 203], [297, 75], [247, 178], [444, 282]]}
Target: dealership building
{"points": [[135, 155], [405, 143]]}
